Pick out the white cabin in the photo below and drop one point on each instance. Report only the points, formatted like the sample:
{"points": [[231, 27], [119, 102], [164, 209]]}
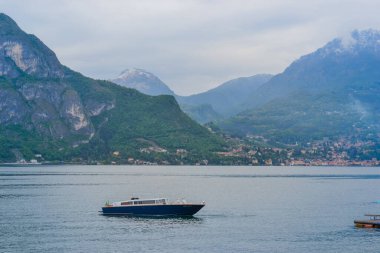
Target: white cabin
{"points": [[137, 201]]}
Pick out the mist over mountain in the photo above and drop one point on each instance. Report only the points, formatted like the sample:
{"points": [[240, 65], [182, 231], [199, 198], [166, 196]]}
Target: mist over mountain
{"points": [[48, 110], [332, 91]]}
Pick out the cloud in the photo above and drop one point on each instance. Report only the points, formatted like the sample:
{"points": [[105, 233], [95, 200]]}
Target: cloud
{"points": [[192, 45]]}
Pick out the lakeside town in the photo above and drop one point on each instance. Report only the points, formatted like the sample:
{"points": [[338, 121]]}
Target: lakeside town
{"points": [[253, 150], [326, 152]]}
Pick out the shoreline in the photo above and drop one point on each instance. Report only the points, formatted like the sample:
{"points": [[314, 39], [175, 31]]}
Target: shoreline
{"points": [[177, 165]]}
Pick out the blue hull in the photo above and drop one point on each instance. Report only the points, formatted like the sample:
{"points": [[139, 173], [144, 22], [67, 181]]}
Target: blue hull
{"points": [[153, 210]]}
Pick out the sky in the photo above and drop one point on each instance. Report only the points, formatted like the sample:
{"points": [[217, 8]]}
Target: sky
{"points": [[191, 45]]}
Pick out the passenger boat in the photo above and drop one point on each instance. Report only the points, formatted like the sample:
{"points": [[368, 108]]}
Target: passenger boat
{"points": [[373, 222], [152, 207]]}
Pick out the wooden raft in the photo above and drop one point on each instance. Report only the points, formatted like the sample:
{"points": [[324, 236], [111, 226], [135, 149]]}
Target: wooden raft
{"points": [[373, 222]]}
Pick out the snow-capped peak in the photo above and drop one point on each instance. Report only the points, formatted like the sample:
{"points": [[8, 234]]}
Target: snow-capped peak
{"points": [[142, 81], [135, 72], [362, 39], [353, 43]]}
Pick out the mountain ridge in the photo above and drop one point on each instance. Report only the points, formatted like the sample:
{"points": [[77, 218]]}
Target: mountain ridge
{"points": [[227, 97], [334, 52], [58, 114], [215, 104], [344, 75], [39, 61]]}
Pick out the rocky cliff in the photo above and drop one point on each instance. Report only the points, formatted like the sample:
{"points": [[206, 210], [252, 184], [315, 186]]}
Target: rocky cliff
{"points": [[50, 110]]}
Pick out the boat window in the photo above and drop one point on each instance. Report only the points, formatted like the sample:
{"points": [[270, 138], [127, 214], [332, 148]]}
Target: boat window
{"points": [[148, 202], [125, 203], [144, 202]]}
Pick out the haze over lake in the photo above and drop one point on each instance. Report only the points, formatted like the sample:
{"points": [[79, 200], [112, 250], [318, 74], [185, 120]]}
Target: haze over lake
{"points": [[248, 209]]}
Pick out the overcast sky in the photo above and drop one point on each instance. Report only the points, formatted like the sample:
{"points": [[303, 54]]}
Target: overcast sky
{"points": [[191, 45]]}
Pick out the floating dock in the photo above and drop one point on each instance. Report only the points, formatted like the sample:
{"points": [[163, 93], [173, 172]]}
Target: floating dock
{"points": [[373, 222]]}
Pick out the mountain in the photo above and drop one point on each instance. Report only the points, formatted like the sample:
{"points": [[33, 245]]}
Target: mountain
{"points": [[331, 92], [142, 81], [54, 113], [215, 104], [149, 84], [202, 113], [227, 98]]}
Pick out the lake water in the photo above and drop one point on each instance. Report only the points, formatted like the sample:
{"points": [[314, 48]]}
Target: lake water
{"points": [[248, 209]]}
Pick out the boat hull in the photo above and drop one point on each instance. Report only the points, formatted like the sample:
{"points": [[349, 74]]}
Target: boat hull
{"points": [[367, 223], [154, 210]]}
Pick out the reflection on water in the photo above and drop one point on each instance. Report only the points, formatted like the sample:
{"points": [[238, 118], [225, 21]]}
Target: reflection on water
{"points": [[248, 209], [157, 220]]}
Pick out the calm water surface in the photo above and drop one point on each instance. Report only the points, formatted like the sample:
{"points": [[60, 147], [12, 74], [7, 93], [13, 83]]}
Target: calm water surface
{"points": [[249, 209]]}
